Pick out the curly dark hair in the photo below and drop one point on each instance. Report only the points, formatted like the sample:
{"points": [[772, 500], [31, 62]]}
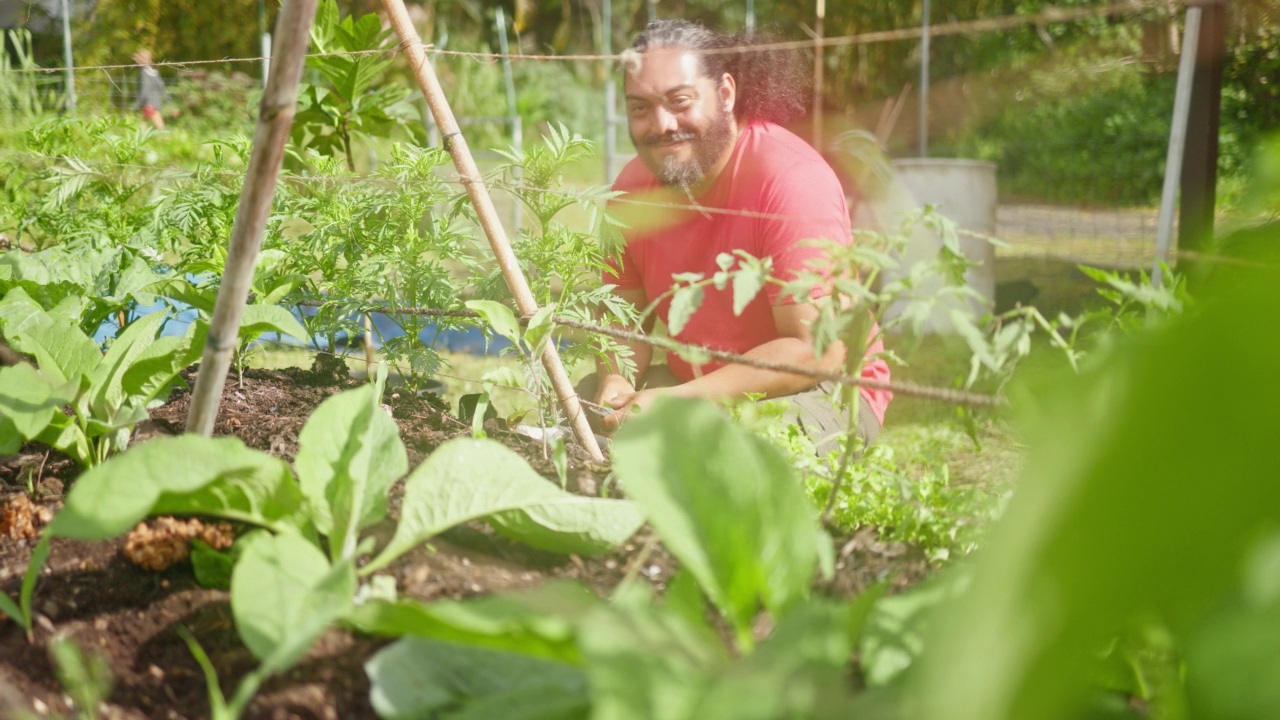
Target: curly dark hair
{"points": [[772, 83]]}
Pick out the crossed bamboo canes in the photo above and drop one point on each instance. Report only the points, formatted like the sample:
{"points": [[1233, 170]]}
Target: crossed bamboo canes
{"points": [[274, 122]]}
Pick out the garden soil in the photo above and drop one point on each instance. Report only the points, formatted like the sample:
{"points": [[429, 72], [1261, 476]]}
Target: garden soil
{"points": [[93, 593]]}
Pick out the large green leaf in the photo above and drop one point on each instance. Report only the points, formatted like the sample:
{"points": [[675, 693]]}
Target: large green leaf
{"points": [[187, 474], [645, 661], [284, 594], [725, 502], [153, 371], [800, 671], [106, 390], [349, 454], [499, 317], [467, 479], [28, 401], [419, 678], [1149, 482], [538, 622], [62, 352], [258, 319]]}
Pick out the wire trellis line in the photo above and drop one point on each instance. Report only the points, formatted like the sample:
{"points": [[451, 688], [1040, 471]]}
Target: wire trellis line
{"points": [[958, 27], [181, 173], [926, 392]]}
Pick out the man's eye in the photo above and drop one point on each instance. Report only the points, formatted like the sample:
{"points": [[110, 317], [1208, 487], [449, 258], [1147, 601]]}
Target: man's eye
{"points": [[636, 110], [681, 102]]}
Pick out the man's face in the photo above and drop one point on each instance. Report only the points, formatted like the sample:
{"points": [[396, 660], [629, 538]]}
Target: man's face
{"points": [[680, 119]]}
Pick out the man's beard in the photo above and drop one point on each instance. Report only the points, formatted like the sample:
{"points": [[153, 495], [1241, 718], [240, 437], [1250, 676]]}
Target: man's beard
{"points": [[707, 149]]}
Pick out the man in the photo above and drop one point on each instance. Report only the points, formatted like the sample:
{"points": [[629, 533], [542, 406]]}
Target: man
{"points": [[705, 121]]}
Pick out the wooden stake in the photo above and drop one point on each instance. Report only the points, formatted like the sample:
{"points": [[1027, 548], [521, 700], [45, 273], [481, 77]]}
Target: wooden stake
{"points": [[454, 142], [275, 119]]}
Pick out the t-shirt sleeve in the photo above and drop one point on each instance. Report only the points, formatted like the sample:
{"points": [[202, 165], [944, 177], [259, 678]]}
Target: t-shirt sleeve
{"points": [[803, 204]]}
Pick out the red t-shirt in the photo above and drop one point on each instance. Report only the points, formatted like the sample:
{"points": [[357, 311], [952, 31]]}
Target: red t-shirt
{"points": [[775, 192]]}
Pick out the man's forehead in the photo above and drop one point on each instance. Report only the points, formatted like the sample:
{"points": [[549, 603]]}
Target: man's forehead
{"points": [[661, 70]]}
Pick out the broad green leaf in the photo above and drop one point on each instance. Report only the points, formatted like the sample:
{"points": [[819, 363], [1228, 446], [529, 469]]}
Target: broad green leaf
{"points": [[468, 479], [725, 502], [186, 474], [27, 401], [258, 319], [153, 371], [284, 594], [349, 454], [418, 678], [200, 298], [1149, 480], [684, 303], [747, 283], [106, 390], [538, 622], [645, 661], [800, 671], [540, 326], [894, 636], [499, 317], [61, 351]]}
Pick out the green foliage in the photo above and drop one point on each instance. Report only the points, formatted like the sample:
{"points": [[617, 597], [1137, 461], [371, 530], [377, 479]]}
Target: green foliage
{"points": [[419, 678], [704, 499], [108, 394], [352, 103], [20, 612], [285, 589], [468, 479], [86, 679], [97, 284], [24, 94], [1074, 563], [633, 657]]}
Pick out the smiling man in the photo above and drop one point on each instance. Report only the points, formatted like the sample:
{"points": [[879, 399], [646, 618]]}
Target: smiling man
{"points": [[717, 172]]}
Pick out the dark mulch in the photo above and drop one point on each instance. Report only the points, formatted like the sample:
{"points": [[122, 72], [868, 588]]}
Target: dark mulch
{"points": [[91, 593]]}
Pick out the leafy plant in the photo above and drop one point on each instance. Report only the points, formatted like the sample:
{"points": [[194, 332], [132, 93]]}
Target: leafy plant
{"points": [[20, 612], [349, 455], [108, 394], [21, 96], [1072, 565], [352, 103], [104, 284], [725, 504]]}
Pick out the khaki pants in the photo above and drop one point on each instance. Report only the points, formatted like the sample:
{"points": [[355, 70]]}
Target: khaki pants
{"points": [[812, 410]]}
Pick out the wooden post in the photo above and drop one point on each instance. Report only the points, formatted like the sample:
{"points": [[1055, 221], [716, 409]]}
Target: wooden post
{"points": [[275, 119], [819, 55], [1200, 158], [456, 144]]}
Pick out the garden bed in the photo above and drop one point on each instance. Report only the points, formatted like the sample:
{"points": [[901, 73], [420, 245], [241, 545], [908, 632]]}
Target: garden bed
{"points": [[90, 592]]}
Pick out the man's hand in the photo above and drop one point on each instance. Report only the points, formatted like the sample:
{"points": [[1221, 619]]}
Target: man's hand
{"points": [[623, 405], [610, 388]]}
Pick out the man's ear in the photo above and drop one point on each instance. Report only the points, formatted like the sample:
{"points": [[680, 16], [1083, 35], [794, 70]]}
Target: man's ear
{"points": [[728, 92]]}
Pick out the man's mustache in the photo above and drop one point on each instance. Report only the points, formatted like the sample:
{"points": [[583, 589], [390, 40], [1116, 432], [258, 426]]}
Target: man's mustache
{"points": [[669, 138]]}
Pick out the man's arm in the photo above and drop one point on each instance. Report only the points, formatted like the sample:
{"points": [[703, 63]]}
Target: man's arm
{"points": [[611, 383], [793, 346]]}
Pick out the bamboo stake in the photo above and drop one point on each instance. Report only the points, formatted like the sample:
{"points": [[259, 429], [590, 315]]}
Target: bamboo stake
{"points": [[456, 144], [275, 119]]}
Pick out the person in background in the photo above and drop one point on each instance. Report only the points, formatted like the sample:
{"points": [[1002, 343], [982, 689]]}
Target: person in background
{"points": [[151, 92], [706, 115]]}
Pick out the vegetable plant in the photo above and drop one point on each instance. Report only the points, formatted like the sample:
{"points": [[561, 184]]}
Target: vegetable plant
{"points": [[108, 394], [352, 102], [311, 524], [725, 504]]}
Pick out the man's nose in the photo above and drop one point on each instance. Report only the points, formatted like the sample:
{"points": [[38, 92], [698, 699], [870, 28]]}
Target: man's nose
{"points": [[666, 120]]}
